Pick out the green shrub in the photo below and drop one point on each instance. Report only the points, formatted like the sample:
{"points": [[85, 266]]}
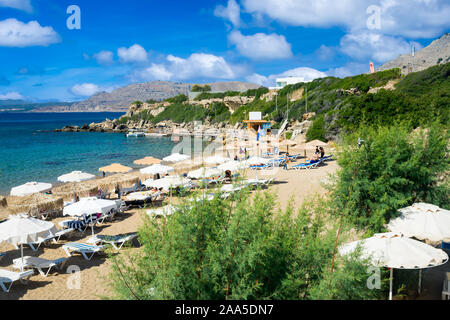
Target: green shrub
{"points": [[236, 249], [394, 168], [178, 99], [317, 129]]}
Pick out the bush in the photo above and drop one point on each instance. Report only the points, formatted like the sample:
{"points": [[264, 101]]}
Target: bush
{"points": [[393, 169], [317, 130], [234, 249], [178, 99]]}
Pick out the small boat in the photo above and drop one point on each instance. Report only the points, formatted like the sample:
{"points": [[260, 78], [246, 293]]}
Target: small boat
{"points": [[135, 134]]}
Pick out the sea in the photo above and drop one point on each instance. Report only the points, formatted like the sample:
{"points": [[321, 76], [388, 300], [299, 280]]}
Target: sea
{"points": [[30, 150]]}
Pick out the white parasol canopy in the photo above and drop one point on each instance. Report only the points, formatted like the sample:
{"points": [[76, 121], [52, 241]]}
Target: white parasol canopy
{"points": [[394, 251], [258, 160], [164, 211], [167, 183], [176, 157], [217, 160], [204, 173], [234, 166], [24, 230], [157, 169], [19, 230], [89, 206], [30, 188], [76, 176], [422, 221]]}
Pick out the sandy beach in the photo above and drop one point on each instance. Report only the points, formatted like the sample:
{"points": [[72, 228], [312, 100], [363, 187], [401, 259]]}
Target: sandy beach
{"points": [[290, 184]]}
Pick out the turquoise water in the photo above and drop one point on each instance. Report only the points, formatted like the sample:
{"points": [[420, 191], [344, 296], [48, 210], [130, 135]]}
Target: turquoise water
{"points": [[30, 151]]}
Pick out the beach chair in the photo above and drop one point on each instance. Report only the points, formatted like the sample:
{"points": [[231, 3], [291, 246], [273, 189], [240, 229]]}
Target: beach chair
{"points": [[116, 242], [11, 277], [306, 166], [107, 216], [50, 237], [39, 264], [86, 250]]}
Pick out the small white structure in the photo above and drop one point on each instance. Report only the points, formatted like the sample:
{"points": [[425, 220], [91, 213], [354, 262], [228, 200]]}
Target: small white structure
{"points": [[283, 82]]}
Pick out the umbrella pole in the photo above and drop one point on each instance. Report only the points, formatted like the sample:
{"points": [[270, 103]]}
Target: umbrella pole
{"points": [[21, 254], [390, 284], [420, 281]]}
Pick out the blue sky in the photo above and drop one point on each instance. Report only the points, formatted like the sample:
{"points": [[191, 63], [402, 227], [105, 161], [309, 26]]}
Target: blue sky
{"points": [[122, 42]]}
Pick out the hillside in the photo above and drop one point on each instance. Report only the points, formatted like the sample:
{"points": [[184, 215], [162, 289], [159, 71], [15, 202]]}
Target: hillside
{"points": [[438, 52], [121, 98]]}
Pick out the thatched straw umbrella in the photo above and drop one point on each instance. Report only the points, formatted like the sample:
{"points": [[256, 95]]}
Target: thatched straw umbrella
{"points": [[34, 202], [186, 166], [116, 168], [3, 202], [66, 191], [123, 180], [147, 161]]}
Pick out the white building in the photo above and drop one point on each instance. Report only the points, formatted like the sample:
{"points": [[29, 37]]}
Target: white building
{"points": [[283, 82]]}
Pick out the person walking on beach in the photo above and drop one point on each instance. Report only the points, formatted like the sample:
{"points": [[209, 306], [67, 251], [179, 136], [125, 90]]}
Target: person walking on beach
{"points": [[103, 173]]}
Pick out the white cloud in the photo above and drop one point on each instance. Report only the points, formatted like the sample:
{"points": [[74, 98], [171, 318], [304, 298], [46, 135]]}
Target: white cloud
{"points": [[14, 33], [348, 70], [135, 53], [325, 53], [196, 66], [85, 89], [412, 18], [261, 46], [232, 12], [259, 79], [11, 96], [24, 5], [104, 57], [378, 47]]}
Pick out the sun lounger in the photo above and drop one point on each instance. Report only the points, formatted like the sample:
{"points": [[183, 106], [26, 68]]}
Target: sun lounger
{"points": [[10, 277], [86, 250], [116, 242], [51, 237], [39, 264]]}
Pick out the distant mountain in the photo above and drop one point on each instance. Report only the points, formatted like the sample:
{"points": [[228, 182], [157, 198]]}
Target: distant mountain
{"points": [[27, 106], [438, 52], [120, 99]]}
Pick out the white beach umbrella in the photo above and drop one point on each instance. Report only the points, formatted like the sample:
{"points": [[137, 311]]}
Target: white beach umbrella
{"points": [[168, 182], [392, 250], [164, 211], [24, 230], [157, 169], [75, 176], [176, 157], [89, 206], [424, 222], [204, 173], [30, 188], [234, 166], [258, 160], [216, 160]]}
